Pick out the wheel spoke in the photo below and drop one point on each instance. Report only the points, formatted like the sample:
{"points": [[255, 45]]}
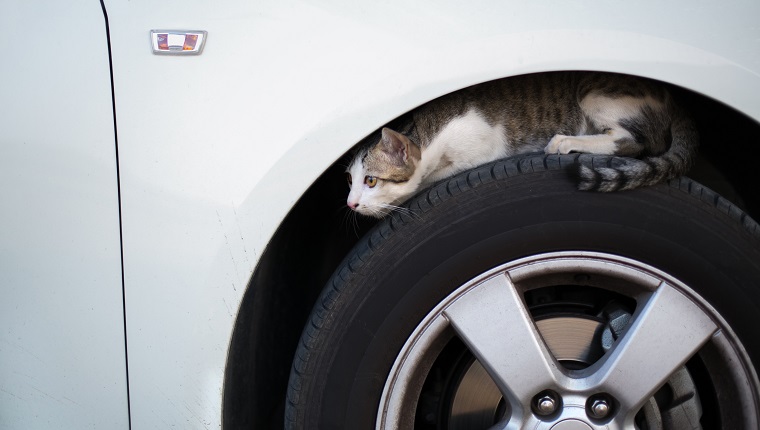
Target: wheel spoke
{"points": [[663, 336], [493, 321]]}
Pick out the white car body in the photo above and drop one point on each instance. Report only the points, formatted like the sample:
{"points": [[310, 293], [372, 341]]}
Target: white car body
{"points": [[121, 283]]}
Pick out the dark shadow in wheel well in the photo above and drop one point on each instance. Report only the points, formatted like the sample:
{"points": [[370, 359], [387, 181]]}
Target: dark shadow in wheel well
{"points": [[319, 231], [296, 264], [729, 153]]}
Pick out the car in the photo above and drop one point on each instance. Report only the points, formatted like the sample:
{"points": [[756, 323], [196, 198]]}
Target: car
{"points": [[176, 250]]}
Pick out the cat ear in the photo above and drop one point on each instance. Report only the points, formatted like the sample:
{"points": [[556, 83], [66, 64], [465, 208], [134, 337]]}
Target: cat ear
{"points": [[395, 145]]}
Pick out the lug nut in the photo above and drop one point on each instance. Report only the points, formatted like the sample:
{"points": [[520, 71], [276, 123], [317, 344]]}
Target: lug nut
{"points": [[545, 403], [600, 408]]}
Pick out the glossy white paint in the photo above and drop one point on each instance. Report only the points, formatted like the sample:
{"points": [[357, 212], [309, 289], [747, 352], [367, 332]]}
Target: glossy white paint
{"points": [[215, 149], [62, 348]]}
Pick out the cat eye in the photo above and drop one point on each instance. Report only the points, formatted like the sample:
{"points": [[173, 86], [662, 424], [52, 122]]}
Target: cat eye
{"points": [[371, 181], [348, 178]]}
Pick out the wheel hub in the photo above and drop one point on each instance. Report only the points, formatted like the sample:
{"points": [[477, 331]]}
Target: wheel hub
{"points": [[571, 424]]}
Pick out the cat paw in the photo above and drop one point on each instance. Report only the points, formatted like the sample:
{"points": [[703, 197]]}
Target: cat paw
{"points": [[561, 144]]}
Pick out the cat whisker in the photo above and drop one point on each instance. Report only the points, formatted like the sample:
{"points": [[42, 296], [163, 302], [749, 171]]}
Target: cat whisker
{"points": [[352, 222], [345, 215], [400, 209]]}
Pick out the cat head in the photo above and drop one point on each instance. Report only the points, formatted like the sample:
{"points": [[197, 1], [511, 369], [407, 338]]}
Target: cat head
{"points": [[382, 176]]}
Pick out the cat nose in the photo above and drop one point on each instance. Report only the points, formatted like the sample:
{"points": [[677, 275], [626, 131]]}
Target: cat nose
{"points": [[353, 205]]}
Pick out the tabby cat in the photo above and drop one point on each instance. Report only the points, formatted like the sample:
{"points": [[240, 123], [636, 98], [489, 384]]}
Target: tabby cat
{"points": [[559, 113]]}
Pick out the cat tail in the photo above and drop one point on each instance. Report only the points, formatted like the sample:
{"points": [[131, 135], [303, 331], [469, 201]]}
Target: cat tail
{"points": [[612, 173]]}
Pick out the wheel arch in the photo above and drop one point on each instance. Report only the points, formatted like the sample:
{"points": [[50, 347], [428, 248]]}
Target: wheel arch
{"points": [[315, 235]]}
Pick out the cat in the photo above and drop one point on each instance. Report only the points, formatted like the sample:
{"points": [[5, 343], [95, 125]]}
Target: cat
{"points": [[558, 113]]}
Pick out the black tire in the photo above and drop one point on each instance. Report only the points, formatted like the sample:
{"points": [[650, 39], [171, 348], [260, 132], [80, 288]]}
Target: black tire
{"points": [[481, 219]]}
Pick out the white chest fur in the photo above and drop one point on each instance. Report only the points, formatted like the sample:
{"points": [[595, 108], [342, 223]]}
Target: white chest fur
{"points": [[465, 142]]}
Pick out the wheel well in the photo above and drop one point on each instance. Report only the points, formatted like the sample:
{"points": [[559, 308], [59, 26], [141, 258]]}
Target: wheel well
{"points": [[319, 231], [296, 264]]}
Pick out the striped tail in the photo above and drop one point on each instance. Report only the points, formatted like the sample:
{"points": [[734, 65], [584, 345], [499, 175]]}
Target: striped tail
{"points": [[607, 173]]}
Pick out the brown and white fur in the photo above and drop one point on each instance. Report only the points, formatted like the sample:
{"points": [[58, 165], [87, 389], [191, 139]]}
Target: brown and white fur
{"points": [[558, 113]]}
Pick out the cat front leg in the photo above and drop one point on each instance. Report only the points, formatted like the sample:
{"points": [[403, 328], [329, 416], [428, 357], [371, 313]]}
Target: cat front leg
{"points": [[605, 144]]}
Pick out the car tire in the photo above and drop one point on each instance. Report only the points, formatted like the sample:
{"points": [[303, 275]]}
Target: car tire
{"points": [[498, 220]]}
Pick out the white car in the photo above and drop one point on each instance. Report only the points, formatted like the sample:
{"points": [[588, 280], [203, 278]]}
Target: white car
{"points": [[176, 251]]}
